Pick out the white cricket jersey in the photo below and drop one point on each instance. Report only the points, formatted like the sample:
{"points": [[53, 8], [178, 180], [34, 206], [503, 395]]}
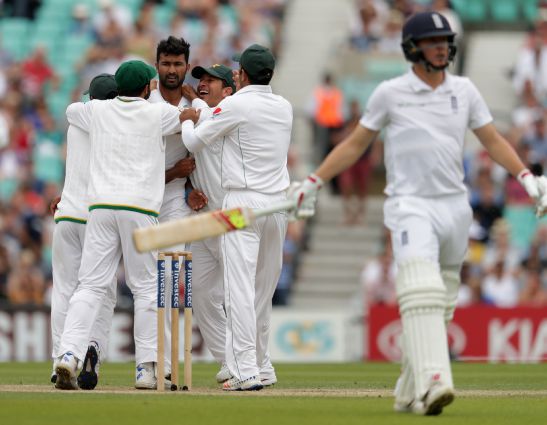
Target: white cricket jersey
{"points": [[206, 176], [74, 205], [254, 126], [174, 151], [127, 165], [425, 132]]}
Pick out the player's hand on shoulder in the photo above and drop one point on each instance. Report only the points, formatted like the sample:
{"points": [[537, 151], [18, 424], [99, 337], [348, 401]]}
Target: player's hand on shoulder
{"points": [[53, 205], [197, 200], [189, 114], [188, 92], [304, 195], [185, 166]]}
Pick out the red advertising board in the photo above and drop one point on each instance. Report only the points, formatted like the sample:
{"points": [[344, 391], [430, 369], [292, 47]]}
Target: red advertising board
{"points": [[476, 333]]}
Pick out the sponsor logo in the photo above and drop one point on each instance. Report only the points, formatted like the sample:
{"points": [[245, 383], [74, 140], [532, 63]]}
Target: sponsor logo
{"points": [[305, 337]]}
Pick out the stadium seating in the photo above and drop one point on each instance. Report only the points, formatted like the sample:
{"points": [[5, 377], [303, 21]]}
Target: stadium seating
{"points": [[14, 36]]}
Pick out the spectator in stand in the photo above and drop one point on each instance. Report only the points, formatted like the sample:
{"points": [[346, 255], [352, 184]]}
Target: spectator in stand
{"points": [[26, 283], [110, 11], [378, 277], [37, 73], [327, 110], [353, 182], [536, 141], [531, 65], [4, 271], [390, 43], [534, 290], [486, 209], [80, 25], [499, 250], [367, 25], [500, 286]]}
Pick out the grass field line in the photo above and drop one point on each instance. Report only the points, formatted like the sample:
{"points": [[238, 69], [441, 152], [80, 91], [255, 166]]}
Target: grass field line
{"points": [[269, 392]]}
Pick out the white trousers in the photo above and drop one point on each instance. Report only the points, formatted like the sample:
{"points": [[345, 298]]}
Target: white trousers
{"points": [[429, 238], [108, 236], [251, 261], [67, 246], [436, 229], [208, 295]]}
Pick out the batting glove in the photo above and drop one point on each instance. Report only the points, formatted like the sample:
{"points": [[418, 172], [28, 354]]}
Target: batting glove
{"points": [[304, 196], [536, 187]]}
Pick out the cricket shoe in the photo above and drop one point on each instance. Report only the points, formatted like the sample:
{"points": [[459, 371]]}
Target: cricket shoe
{"points": [[268, 381], [145, 378], [66, 371], [435, 399], [223, 374], [250, 384], [89, 376]]}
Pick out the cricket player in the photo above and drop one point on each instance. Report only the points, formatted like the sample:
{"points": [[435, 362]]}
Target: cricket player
{"points": [[71, 215], [215, 84], [255, 128], [426, 113], [172, 65], [125, 192]]}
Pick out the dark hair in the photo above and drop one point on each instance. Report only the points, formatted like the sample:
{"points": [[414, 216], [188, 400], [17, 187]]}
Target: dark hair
{"points": [[173, 46], [111, 95], [262, 79], [133, 93]]}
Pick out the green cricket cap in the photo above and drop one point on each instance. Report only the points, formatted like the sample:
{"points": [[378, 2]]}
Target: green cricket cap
{"points": [[102, 87], [256, 60], [133, 75], [218, 71]]}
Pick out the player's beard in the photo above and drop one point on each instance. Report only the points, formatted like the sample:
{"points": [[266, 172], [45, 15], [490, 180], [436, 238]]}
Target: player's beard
{"points": [[171, 85]]}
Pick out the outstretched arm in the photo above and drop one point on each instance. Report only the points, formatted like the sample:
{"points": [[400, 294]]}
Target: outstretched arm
{"points": [[501, 151]]}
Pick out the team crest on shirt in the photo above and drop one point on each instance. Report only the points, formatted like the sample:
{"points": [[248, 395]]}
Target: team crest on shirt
{"points": [[217, 111]]}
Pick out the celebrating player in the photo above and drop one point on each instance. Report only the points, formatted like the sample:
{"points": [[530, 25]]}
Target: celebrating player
{"points": [[172, 64], [256, 127], [426, 113], [68, 239], [127, 169]]}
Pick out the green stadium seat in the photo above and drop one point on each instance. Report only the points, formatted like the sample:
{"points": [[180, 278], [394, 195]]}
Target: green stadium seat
{"points": [[471, 10], [377, 68], [523, 223], [357, 89], [14, 36], [530, 9], [8, 186], [505, 10], [163, 15]]}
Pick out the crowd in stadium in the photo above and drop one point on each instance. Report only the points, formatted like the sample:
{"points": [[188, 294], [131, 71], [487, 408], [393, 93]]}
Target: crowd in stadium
{"points": [[508, 248]]}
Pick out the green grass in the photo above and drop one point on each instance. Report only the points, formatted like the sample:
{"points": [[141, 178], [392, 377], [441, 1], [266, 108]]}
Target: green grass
{"points": [[244, 409]]}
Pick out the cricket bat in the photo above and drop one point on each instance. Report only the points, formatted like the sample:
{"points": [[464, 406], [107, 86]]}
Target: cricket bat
{"points": [[201, 226]]}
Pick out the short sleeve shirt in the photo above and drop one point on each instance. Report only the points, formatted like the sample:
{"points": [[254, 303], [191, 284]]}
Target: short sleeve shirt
{"points": [[425, 131]]}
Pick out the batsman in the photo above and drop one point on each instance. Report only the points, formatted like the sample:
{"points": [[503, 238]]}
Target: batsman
{"points": [[425, 113]]}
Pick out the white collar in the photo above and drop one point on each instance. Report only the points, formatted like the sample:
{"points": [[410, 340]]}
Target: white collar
{"points": [[418, 85], [255, 88]]}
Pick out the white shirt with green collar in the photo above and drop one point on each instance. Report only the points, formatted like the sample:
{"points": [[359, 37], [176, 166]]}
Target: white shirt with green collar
{"points": [[127, 164]]}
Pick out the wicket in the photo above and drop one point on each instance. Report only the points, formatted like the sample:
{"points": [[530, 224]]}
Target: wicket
{"points": [[175, 272]]}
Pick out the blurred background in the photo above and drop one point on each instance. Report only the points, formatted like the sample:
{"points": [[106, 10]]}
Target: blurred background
{"points": [[335, 300]]}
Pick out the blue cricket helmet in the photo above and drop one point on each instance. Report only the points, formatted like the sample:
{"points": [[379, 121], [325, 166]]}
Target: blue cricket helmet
{"points": [[424, 25]]}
